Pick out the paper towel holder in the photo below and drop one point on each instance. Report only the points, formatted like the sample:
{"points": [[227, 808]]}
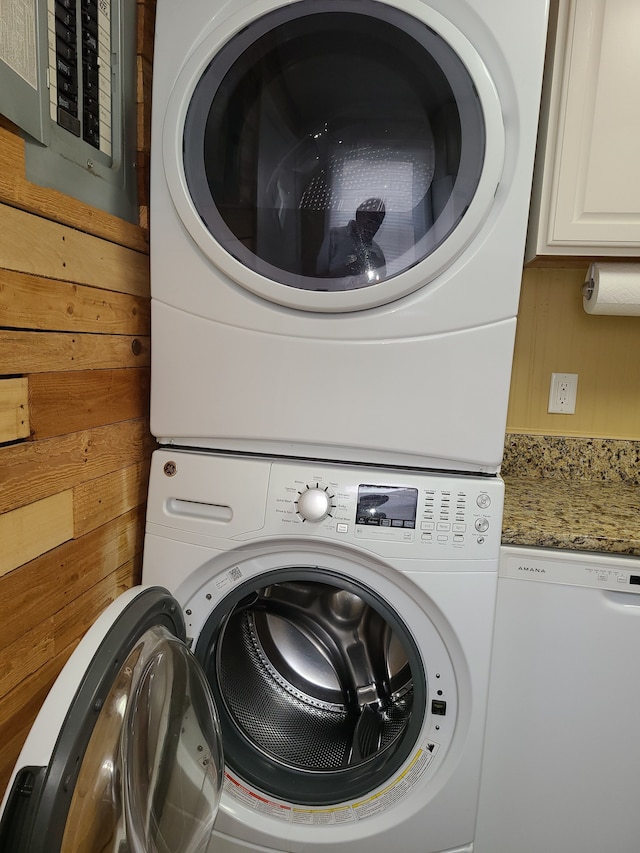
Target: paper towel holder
{"points": [[588, 287]]}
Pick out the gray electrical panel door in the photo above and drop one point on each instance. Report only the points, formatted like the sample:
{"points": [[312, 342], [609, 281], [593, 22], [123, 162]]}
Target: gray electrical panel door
{"points": [[68, 80]]}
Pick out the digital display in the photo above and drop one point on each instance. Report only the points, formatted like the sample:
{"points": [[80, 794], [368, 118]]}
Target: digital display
{"points": [[387, 506]]}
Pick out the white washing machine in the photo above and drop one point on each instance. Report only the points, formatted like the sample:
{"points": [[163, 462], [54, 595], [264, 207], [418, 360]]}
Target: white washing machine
{"points": [[339, 197], [340, 620]]}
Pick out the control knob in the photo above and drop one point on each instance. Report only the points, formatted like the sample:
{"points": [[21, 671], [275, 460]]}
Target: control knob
{"points": [[314, 503]]}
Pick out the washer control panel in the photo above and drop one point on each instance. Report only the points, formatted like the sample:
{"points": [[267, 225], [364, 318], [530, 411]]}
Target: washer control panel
{"points": [[438, 514]]}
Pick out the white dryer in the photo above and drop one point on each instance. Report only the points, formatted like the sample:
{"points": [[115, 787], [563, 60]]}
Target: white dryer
{"points": [[340, 620], [339, 197]]}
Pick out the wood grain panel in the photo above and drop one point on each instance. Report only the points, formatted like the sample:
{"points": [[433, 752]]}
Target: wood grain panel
{"points": [[74, 620], [31, 593], [33, 529], [33, 302], [143, 119], [129, 574], [144, 105], [40, 684], [37, 352], [555, 335], [35, 470], [146, 20], [32, 649], [35, 245], [95, 503], [61, 403], [35, 647], [51, 204], [14, 407]]}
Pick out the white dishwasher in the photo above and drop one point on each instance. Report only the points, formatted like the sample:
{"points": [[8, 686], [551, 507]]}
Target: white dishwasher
{"points": [[561, 769]]}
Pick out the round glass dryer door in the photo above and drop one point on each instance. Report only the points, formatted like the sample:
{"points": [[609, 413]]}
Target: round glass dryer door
{"points": [[331, 148]]}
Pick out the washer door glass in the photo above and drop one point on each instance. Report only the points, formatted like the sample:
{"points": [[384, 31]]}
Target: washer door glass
{"points": [[151, 775], [333, 146], [319, 685]]}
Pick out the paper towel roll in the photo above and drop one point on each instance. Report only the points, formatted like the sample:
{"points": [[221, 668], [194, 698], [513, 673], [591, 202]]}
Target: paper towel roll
{"points": [[612, 288]]}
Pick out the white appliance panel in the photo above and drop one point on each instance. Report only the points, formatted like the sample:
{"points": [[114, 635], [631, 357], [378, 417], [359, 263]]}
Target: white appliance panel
{"points": [[562, 756], [218, 523], [226, 336], [441, 400]]}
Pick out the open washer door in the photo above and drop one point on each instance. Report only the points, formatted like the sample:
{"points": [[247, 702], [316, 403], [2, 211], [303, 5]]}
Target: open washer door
{"points": [[126, 752]]}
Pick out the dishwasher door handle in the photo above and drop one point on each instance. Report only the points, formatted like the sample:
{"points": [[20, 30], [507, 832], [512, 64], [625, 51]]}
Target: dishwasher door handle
{"points": [[619, 598]]}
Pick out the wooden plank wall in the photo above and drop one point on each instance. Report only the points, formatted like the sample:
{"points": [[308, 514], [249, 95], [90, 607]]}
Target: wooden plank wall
{"points": [[74, 429]]}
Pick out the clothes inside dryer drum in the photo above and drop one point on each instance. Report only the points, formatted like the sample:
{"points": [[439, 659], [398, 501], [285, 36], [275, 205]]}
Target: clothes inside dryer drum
{"points": [[329, 146], [319, 686]]}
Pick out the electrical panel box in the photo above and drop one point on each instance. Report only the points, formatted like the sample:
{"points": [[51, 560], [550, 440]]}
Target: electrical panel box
{"points": [[68, 80]]}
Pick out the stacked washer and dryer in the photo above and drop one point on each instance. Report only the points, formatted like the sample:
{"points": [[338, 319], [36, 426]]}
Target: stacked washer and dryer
{"points": [[339, 202]]}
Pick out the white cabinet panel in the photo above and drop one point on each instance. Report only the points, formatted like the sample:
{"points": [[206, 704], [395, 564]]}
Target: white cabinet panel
{"points": [[586, 197]]}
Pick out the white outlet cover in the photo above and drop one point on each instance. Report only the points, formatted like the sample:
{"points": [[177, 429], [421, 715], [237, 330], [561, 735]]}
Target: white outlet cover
{"points": [[563, 393]]}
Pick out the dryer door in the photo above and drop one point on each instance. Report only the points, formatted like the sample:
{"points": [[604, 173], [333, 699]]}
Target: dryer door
{"points": [[333, 155], [126, 752]]}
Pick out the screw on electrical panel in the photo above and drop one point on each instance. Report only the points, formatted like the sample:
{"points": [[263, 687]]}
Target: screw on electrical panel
{"points": [[170, 469]]}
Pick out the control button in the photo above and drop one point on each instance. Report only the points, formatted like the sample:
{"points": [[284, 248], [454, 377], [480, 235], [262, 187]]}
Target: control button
{"points": [[459, 528], [480, 540], [482, 525], [427, 537], [483, 500], [443, 538], [427, 525], [444, 526], [342, 527], [439, 707], [458, 538]]}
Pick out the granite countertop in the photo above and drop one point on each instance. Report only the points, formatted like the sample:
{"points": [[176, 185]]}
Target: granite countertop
{"points": [[574, 493]]}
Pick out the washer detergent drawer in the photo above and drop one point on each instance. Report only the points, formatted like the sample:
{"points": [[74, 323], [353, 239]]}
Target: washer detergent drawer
{"points": [[562, 759]]}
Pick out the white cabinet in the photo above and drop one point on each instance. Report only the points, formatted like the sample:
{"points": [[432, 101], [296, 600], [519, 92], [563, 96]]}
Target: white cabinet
{"points": [[586, 195]]}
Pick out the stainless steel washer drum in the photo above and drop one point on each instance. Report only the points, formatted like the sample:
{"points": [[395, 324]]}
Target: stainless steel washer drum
{"points": [[319, 684]]}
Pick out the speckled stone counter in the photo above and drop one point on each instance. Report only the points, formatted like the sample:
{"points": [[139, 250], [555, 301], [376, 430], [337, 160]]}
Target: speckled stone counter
{"points": [[580, 494]]}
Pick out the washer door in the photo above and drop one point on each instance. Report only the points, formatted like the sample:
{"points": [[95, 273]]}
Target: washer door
{"points": [[333, 155], [136, 763]]}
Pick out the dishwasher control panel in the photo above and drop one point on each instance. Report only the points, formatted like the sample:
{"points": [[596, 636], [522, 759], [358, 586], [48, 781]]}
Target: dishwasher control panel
{"points": [[573, 568]]}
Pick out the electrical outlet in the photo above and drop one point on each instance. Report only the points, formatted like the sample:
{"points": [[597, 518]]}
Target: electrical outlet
{"points": [[562, 393]]}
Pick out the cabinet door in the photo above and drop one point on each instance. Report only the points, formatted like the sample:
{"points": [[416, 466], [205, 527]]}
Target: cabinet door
{"points": [[588, 197]]}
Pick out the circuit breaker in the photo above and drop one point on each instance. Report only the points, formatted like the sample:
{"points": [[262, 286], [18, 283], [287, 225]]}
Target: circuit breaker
{"points": [[68, 80]]}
